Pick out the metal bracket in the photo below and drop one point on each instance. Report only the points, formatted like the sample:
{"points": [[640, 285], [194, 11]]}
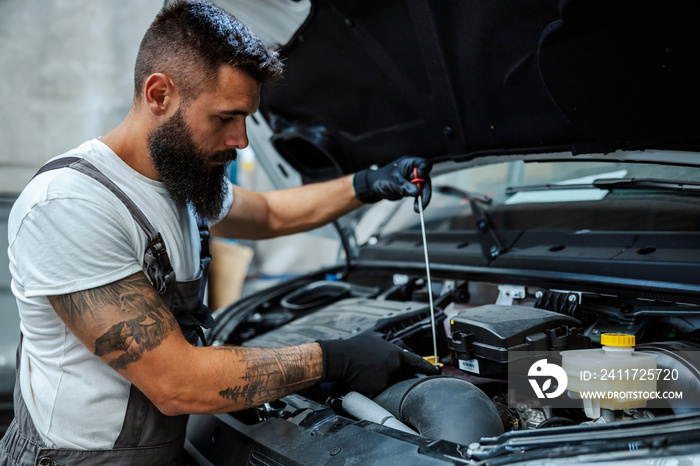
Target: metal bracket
{"points": [[507, 293]]}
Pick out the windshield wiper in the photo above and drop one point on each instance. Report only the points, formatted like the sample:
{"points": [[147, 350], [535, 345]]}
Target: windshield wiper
{"points": [[611, 184], [491, 244], [458, 192]]}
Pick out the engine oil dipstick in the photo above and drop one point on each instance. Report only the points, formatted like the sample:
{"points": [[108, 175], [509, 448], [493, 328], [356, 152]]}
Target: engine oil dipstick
{"points": [[419, 183]]}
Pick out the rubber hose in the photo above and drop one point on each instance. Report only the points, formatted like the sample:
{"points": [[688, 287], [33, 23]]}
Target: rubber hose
{"points": [[363, 408], [443, 408], [556, 421]]}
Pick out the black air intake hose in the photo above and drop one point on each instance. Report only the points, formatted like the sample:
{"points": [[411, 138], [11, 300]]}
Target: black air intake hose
{"points": [[680, 365], [443, 408]]}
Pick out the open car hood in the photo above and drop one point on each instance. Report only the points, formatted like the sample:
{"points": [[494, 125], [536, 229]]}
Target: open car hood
{"points": [[565, 207], [368, 81]]}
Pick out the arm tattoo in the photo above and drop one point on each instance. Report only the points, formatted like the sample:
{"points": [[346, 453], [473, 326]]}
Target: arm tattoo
{"points": [[270, 374], [146, 319]]}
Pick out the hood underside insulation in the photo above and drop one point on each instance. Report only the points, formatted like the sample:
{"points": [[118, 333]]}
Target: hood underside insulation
{"points": [[369, 81]]}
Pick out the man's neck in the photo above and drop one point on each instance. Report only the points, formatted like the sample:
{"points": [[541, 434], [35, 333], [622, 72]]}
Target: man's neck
{"points": [[129, 140]]}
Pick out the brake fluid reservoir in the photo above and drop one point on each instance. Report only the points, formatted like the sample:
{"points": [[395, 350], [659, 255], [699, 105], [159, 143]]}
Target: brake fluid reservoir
{"points": [[612, 377]]}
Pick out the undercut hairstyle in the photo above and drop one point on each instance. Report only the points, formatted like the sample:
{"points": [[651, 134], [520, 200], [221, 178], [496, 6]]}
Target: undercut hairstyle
{"points": [[189, 41]]}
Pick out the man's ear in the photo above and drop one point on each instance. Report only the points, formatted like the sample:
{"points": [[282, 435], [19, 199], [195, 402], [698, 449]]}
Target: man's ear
{"points": [[160, 94]]}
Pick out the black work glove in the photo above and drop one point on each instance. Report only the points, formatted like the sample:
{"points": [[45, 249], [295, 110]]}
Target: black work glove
{"points": [[393, 181], [367, 364]]}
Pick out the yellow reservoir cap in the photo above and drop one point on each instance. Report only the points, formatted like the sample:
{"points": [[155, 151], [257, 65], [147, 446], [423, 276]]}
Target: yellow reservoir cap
{"points": [[616, 339]]}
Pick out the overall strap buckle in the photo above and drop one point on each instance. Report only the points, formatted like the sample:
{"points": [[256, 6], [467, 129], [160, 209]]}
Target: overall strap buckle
{"points": [[158, 267]]}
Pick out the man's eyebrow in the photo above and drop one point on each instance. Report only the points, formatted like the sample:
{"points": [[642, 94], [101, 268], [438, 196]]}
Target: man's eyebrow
{"points": [[234, 112]]}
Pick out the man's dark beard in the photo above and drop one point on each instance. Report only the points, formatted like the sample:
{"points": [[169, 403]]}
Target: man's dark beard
{"points": [[186, 170]]}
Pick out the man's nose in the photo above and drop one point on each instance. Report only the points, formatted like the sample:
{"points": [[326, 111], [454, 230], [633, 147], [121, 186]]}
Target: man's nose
{"points": [[237, 137]]}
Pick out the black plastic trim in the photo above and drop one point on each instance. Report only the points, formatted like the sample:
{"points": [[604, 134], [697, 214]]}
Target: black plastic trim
{"points": [[648, 289]]}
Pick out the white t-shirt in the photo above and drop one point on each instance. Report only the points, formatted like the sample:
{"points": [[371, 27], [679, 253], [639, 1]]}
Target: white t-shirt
{"points": [[68, 233]]}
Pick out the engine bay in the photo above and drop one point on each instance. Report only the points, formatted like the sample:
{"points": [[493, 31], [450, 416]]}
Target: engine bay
{"points": [[480, 326]]}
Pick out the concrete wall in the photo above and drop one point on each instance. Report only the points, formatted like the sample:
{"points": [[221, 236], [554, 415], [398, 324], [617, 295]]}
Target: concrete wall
{"points": [[66, 75]]}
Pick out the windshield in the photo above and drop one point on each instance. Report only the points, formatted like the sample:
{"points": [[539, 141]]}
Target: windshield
{"points": [[531, 196]]}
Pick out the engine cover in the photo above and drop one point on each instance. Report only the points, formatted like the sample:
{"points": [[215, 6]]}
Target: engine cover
{"points": [[344, 319]]}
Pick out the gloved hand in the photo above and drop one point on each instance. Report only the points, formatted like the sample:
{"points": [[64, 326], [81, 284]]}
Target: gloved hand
{"points": [[393, 181], [367, 364]]}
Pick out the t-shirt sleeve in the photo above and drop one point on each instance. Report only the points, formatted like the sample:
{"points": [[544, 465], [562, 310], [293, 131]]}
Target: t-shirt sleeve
{"points": [[66, 245]]}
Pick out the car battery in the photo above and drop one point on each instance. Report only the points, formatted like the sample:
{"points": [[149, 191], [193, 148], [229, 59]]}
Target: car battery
{"points": [[483, 337]]}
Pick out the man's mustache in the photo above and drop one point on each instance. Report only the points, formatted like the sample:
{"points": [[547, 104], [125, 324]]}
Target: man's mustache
{"points": [[224, 156]]}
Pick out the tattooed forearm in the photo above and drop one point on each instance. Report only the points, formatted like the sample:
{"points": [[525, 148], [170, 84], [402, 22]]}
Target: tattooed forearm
{"points": [[271, 374], [142, 320]]}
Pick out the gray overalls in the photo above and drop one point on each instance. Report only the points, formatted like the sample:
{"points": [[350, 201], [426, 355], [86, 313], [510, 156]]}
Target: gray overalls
{"points": [[148, 437]]}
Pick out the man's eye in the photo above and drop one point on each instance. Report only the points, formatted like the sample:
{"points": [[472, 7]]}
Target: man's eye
{"points": [[225, 119]]}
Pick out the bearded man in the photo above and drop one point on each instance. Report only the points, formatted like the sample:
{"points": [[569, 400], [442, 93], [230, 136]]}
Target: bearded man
{"points": [[108, 256]]}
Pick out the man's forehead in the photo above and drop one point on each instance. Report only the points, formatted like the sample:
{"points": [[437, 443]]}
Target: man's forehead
{"points": [[234, 90], [233, 76]]}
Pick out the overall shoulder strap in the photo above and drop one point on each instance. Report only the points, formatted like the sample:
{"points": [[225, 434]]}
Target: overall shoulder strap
{"points": [[158, 267], [85, 167], [204, 235]]}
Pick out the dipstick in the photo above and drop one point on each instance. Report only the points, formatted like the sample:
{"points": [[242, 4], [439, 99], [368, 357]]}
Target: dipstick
{"points": [[419, 182]]}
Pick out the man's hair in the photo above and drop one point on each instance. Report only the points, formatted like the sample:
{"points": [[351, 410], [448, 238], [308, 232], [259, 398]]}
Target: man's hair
{"points": [[189, 40]]}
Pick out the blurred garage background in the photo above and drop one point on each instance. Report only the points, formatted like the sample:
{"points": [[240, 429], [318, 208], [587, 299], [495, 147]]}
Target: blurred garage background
{"points": [[66, 70]]}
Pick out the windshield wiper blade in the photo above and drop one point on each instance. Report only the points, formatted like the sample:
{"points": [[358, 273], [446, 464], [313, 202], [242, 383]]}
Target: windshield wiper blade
{"points": [[615, 183], [646, 183]]}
